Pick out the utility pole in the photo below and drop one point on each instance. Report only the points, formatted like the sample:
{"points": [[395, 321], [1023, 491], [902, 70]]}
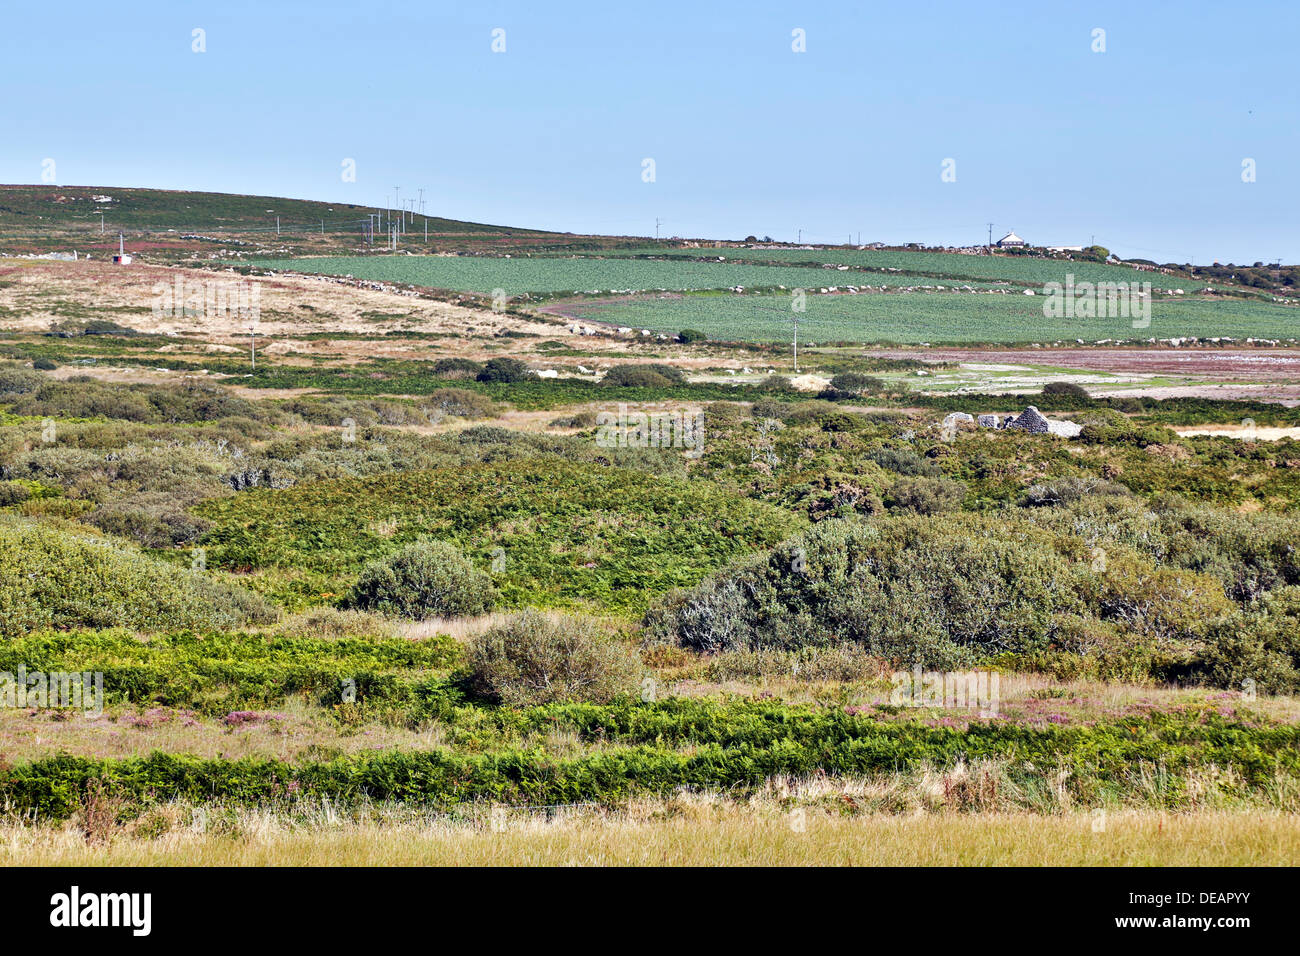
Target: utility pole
{"points": [[277, 225], [322, 227], [799, 234], [252, 345], [990, 246], [658, 222], [422, 201], [101, 223]]}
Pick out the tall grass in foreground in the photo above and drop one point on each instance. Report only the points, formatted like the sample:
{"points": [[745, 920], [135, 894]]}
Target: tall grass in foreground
{"points": [[705, 834], [964, 815]]}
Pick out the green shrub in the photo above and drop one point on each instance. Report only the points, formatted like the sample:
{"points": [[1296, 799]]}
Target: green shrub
{"points": [[732, 746], [903, 461], [504, 370], [1256, 650], [424, 579], [582, 419], [463, 403], [779, 384], [855, 383], [1065, 491], [692, 335], [456, 368], [643, 376], [13, 492], [1066, 390], [16, 380], [936, 590], [535, 659], [56, 578], [926, 496], [45, 365]]}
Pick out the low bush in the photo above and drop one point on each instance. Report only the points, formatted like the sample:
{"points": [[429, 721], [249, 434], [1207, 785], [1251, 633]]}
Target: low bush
{"points": [[903, 461], [855, 383], [463, 403], [16, 380], [1066, 390], [424, 579], [1065, 491], [504, 370], [946, 590], [13, 493], [456, 368], [538, 659], [583, 419], [643, 376], [926, 496]]}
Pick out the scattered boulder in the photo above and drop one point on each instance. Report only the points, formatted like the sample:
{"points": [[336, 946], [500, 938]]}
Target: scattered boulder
{"points": [[1064, 429], [953, 419]]}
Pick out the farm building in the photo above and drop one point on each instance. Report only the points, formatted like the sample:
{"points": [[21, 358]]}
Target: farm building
{"points": [[1011, 241]]}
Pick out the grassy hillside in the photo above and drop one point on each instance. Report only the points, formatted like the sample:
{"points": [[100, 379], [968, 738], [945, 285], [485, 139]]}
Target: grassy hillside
{"points": [[24, 208]]}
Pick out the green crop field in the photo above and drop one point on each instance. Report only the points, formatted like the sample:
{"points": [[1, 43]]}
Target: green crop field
{"points": [[551, 275], [936, 318], [954, 266]]}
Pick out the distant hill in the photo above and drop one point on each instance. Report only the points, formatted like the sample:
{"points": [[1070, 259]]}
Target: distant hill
{"points": [[28, 209]]}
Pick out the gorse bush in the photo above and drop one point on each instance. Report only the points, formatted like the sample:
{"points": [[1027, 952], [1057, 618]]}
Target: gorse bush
{"points": [[463, 403], [456, 368], [925, 496], [16, 380], [1066, 390], [645, 376], [945, 591], [1249, 554], [1066, 491], [855, 383], [903, 461], [536, 659], [424, 579], [1257, 650], [504, 370], [12, 493], [56, 578]]}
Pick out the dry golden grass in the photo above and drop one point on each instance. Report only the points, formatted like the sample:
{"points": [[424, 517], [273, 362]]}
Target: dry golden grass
{"points": [[706, 834]]}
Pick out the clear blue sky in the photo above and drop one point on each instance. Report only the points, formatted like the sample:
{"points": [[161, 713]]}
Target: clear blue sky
{"points": [[1141, 146]]}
